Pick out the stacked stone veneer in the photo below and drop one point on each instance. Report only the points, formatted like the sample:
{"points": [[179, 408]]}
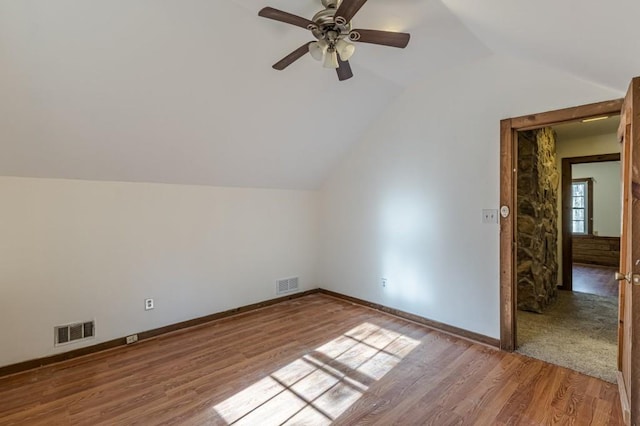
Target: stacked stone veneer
{"points": [[538, 182]]}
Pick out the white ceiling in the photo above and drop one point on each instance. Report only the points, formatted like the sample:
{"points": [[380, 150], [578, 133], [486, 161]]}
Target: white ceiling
{"points": [[182, 91], [579, 130]]}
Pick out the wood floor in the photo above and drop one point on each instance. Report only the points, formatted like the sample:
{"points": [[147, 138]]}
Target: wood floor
{"points": [[313, 360], [595, 280]]}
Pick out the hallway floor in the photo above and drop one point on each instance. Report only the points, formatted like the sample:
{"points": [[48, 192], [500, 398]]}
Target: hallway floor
{"points": [[595, 279], [579, 331]]}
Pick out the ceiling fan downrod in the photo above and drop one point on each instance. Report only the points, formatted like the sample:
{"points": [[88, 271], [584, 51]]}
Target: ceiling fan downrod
{"points": [[333, 4]]}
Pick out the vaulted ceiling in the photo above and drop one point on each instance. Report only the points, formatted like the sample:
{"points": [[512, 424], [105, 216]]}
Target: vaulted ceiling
{"points": [[182, 91]]}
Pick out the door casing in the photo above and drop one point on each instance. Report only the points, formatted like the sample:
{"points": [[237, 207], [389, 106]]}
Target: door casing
{"points": [[508, 178]]}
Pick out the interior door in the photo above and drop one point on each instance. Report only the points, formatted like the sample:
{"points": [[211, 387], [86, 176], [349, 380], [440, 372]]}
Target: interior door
{"points": [[629, 275]]}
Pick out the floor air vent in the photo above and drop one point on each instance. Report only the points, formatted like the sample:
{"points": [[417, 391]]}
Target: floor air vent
{"points": [[287, 285], [71, 332]]}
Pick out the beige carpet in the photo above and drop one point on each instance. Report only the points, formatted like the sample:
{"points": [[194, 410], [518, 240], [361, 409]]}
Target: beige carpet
{"points": [[579, 332]]}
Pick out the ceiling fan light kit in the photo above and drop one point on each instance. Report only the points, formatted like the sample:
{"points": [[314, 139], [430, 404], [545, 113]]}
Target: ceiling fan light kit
{"points": [[345, 49], [333, 31], [322, 51], [331, 59], [317, 49]]}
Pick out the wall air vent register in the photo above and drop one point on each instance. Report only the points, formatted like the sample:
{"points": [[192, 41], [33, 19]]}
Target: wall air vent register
{"points": [[287, 285], [65, 334]]}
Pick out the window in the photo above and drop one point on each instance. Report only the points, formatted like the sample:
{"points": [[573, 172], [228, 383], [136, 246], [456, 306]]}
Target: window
{"points": [[581, 204]]}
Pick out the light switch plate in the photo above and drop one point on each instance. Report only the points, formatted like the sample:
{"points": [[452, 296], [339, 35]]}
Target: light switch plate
{"points": [[489, 216]]}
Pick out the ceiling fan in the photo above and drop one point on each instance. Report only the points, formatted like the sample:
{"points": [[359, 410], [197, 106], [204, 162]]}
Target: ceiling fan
{"points": [[333, 31]]}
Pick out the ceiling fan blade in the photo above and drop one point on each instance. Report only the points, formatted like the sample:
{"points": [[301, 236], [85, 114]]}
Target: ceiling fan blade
{"points": [[344, 70], [347, 9], [385, 38], [292, 57], [288, 18]]}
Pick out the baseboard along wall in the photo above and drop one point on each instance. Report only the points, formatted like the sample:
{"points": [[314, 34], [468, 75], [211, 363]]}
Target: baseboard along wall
{"points": [[145, 335]]}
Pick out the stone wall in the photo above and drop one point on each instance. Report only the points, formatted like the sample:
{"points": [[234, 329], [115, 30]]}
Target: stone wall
{"points": [[537, 219]]}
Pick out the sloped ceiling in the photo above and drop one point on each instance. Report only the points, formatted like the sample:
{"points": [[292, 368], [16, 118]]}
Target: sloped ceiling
{"points": [[183, 91], [595, 40]]}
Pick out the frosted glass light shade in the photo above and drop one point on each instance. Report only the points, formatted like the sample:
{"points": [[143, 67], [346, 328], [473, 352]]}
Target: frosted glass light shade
{"points": [[345, 49], [331, 59], [318, 49]]}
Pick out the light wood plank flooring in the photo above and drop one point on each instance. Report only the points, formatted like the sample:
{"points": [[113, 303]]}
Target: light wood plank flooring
{"points": [[313, 360]]}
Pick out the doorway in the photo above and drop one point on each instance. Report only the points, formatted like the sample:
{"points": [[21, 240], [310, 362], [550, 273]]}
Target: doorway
{"points": [[594, 236], [508, 154], [572, 327]]}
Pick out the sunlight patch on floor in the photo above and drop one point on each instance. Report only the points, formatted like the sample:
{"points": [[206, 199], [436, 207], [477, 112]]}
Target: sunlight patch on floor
{"points": [[318, 387]]}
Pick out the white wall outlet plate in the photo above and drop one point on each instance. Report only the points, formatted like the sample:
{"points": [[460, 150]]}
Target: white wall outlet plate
{"points": [[148, 304], [132, 339]]}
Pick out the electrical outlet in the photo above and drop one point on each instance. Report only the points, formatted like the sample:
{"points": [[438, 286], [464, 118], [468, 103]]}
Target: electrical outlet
{"points": [[489, 216], [132, 339], [148, 304], [383, 281]]}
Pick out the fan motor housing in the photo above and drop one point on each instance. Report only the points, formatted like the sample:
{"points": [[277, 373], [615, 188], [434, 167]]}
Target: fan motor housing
{"points": [[326, 22]]}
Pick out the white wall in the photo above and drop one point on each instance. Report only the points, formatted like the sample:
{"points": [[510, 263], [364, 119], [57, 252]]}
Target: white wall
{"points": [[582, 147], [406, 203], [77, 250], [607, 191]]}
